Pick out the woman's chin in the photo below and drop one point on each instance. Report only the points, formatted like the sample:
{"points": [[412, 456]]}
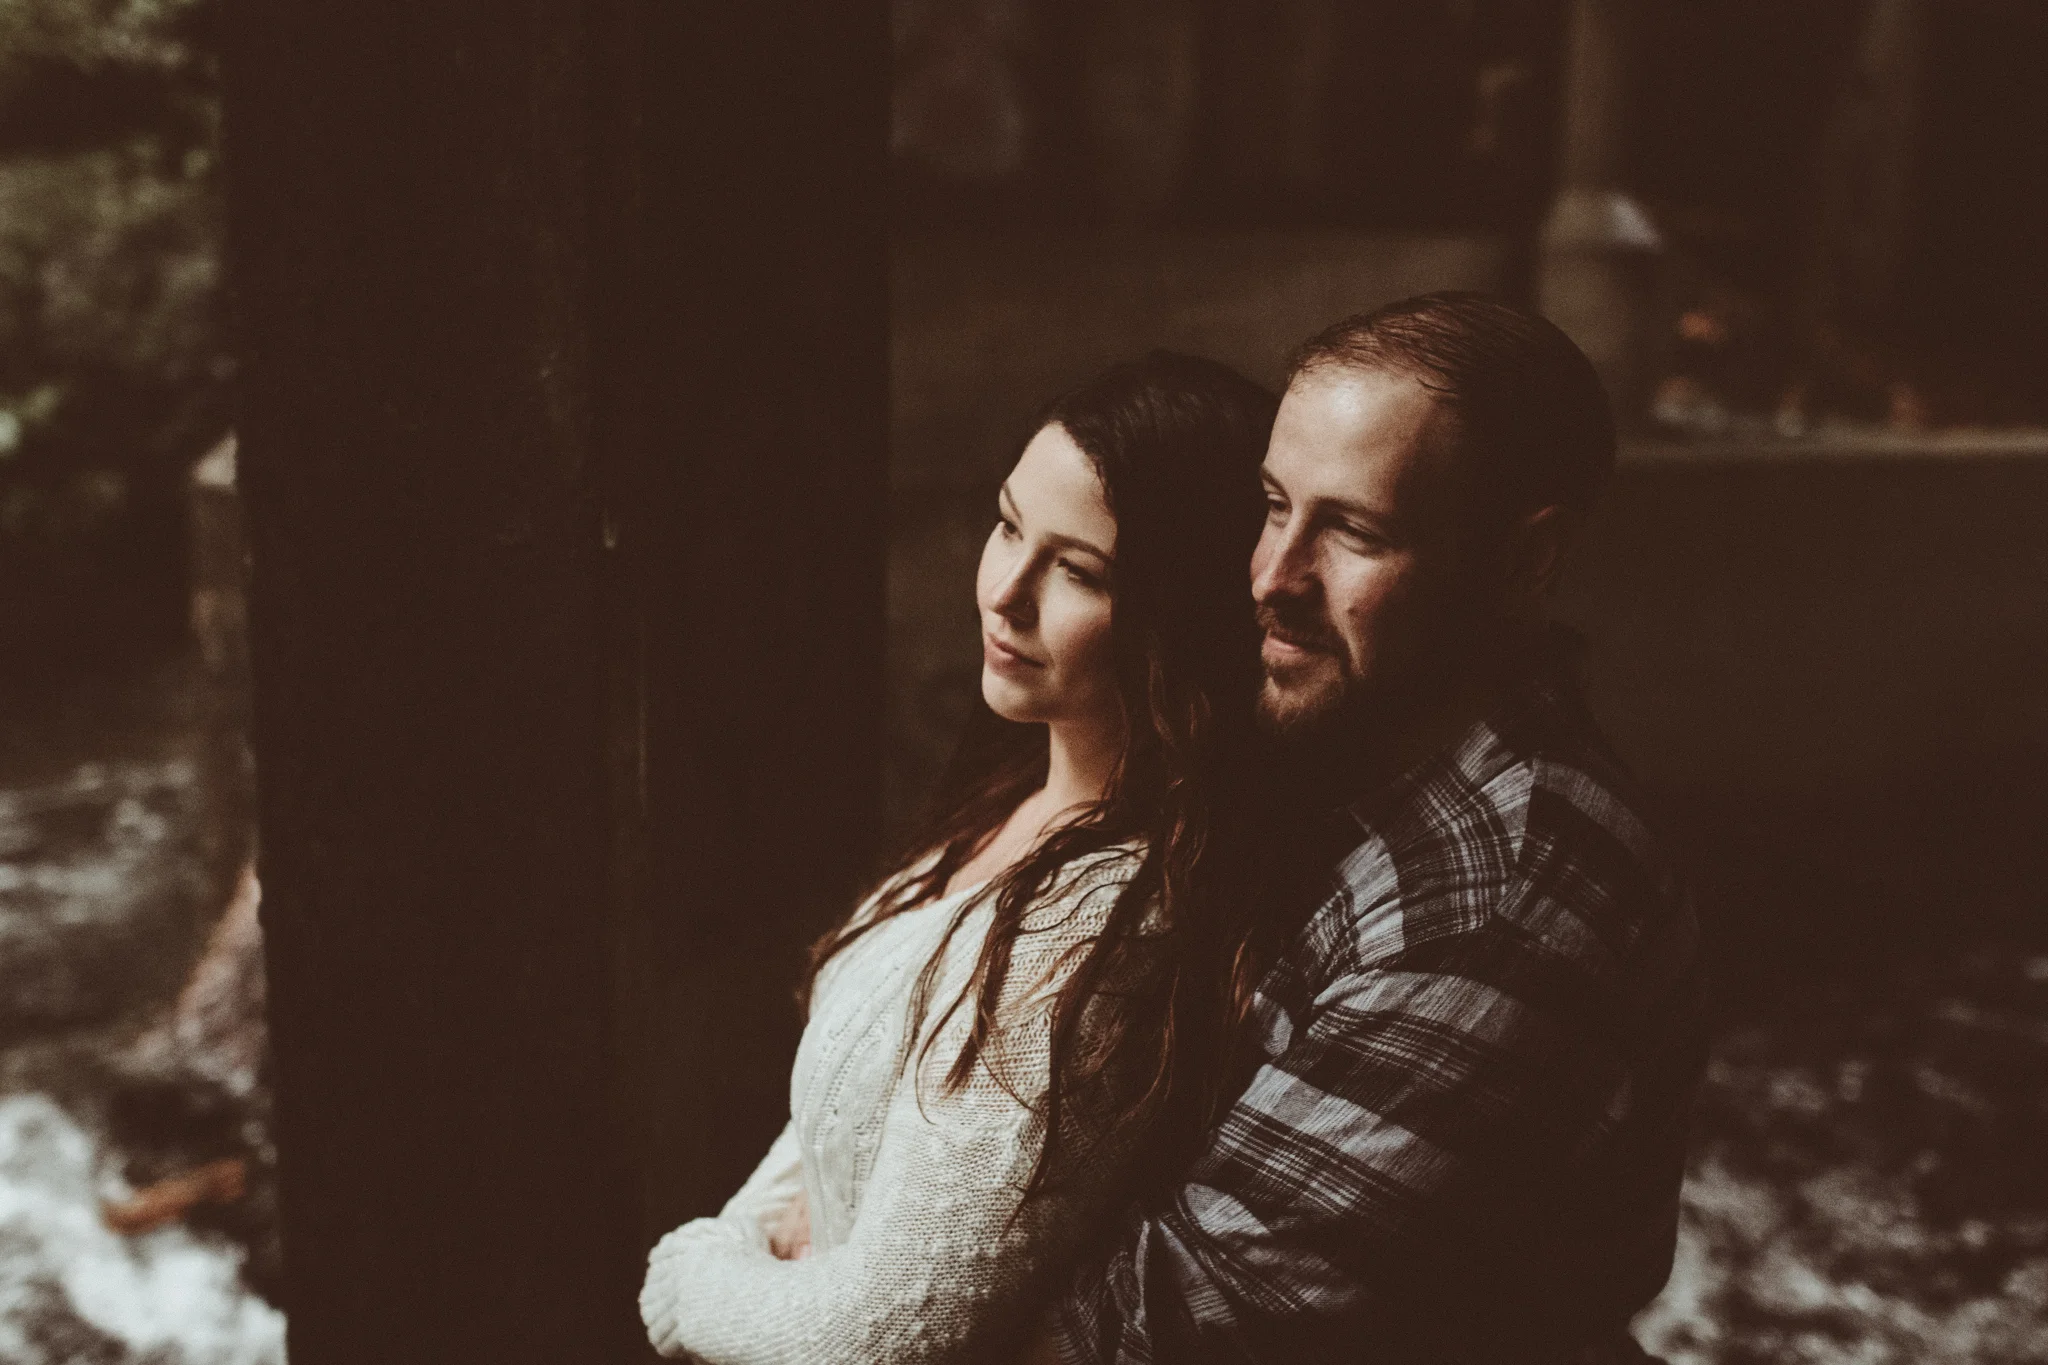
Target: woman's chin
{"points": [[1007, 698]]}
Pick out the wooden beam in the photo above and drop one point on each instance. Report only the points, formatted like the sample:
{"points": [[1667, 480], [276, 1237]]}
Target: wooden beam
{"points": [[562, 440]]}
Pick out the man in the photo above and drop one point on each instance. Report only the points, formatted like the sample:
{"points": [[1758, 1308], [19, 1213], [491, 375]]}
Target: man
{"points": [[1465, 1137]]}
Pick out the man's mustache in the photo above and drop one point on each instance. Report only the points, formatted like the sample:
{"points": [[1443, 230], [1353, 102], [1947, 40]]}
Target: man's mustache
{"points": [[1300, 627]]}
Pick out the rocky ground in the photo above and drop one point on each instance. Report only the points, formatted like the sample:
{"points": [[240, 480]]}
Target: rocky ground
{"points": [[1870, 1180], [110, 880]]}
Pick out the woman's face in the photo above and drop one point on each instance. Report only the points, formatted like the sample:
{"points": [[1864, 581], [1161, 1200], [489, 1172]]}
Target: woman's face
{"points": [[1044, 590]]}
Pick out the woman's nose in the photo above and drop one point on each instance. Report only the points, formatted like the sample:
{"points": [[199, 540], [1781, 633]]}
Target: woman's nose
{"points": [[1015, 601]]}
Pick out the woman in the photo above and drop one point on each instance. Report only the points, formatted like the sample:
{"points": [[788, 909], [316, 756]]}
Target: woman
{"points": [[1038, 1005]]}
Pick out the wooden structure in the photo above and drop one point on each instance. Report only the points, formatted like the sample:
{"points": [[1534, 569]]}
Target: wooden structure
{"points": [[562, 443]]}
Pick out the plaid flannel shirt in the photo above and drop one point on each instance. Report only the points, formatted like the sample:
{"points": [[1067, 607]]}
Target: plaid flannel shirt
{"points": [[1465, 1137]]}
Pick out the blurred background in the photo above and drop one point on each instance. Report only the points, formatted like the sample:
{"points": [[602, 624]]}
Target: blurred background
{"points": [[1802, 243]]}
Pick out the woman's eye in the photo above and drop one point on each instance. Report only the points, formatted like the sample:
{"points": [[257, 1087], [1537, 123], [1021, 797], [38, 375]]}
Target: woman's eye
{"points": [[1007, 527], [1276, 510], [1080, 575]]}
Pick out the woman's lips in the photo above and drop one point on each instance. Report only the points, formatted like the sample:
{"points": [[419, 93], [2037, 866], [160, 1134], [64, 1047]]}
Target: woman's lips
{"points": [[1005, 658]]}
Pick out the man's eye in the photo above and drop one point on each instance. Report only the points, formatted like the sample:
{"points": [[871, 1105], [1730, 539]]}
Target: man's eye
{"points": [[1007, 527], [1276, 509]]}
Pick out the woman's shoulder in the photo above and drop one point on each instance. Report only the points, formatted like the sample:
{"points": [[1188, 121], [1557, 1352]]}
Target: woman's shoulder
{"points": [[1113, 865], [1055, 931], [1089, 884]]}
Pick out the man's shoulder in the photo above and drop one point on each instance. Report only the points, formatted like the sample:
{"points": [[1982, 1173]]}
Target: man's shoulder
{"points": [[1528, 829]]}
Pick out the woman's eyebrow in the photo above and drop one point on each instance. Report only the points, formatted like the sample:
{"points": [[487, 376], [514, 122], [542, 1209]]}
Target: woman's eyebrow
{"points": [[1076, 543], [1004, 496]]}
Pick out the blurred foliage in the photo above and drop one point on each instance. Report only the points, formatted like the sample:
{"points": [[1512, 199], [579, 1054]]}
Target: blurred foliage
{"points": [[113, 371]]}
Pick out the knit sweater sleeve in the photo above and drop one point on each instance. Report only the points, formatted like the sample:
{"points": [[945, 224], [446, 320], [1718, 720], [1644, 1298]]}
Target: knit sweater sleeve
{"points": [[776, 1183], [940, 1261]]}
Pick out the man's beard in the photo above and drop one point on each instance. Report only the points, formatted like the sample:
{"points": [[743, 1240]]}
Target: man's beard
{"points": [[1326, 706], [1320, 699]]}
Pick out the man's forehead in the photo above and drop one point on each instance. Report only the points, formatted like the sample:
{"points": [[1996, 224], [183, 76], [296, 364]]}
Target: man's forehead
{"points": [[1373, 431]]}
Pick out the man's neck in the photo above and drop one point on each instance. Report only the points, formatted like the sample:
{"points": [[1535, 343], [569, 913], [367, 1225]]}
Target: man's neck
{"points": [[1402, 733], [1396, 743], [1429, 729]]}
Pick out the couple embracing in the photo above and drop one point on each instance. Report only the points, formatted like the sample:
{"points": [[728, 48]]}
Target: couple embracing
{"points": [[1287, 973]]}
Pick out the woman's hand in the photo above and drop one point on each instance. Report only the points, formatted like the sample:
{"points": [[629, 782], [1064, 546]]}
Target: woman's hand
{"points": [[667, 1273], [790, 1237]]}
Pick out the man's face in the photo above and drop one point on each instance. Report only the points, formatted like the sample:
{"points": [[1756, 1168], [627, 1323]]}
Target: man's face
{"points": [[1355, 572]]}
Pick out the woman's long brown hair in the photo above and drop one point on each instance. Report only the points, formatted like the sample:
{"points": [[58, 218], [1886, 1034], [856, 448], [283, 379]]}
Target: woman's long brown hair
{"points": [[1165, 986]]}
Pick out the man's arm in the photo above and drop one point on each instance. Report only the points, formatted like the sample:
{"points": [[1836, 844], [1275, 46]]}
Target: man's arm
{"points": [[1405, 1087]]}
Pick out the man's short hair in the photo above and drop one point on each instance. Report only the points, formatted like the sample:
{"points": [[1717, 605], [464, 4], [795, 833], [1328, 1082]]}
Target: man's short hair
{"points": [[1533, 424]]}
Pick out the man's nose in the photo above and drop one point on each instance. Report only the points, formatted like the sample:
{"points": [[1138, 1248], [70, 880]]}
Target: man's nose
{"points": [[1282, 566]]}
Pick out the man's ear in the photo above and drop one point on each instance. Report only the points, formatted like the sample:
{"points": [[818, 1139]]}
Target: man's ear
{"points": [[1540, 541]]}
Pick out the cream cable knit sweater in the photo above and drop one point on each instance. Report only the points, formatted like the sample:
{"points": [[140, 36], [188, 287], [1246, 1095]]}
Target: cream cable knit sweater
{"points": [[915, 1258]]}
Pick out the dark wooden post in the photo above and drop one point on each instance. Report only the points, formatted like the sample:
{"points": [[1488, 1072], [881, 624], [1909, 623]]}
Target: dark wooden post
{"points": [[756, 523], [562, 345]]}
